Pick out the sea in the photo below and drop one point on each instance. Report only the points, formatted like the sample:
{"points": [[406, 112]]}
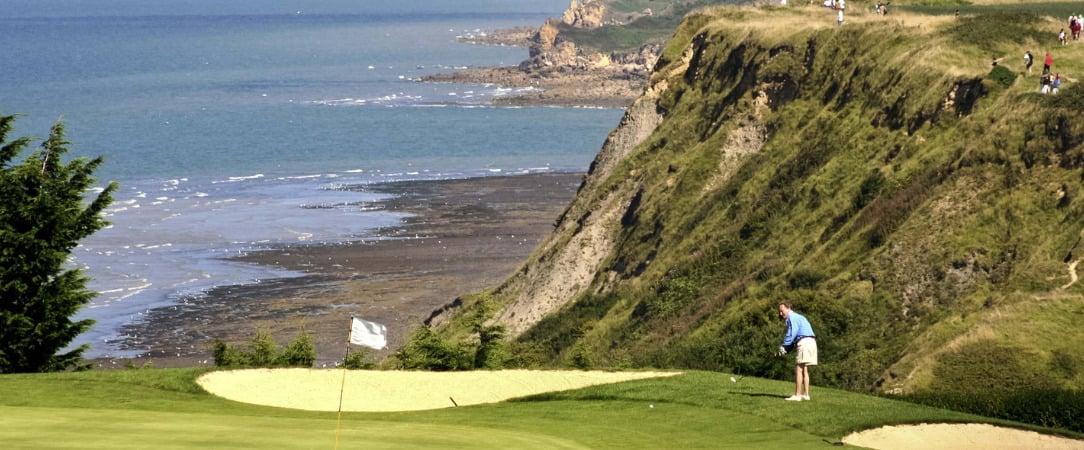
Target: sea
{"points": [[235, 126]]}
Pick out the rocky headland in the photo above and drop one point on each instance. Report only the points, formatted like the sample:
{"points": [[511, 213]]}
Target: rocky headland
{"points": [[563, 73]]}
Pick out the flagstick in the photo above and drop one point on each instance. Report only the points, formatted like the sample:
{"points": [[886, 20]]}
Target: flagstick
{"points": [[342, 387]]}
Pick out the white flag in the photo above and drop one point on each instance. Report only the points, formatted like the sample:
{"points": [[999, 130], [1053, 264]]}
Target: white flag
{"points": [[369, 334]]}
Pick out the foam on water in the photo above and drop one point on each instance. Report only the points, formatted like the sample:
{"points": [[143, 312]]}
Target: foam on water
{"points": [[153, 256]]}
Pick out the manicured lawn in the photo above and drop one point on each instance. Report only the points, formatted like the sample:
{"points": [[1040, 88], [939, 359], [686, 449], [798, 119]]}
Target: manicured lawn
{"points": [[166, 409]]}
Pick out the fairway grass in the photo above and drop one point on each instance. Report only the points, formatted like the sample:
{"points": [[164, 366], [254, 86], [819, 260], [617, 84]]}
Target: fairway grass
{"points": [[165, 408]]}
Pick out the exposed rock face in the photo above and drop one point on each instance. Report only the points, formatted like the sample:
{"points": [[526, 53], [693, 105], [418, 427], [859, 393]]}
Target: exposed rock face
{"points": [[543, 40], [641, 61], [547, 49], [584, 14], [565, 265]]}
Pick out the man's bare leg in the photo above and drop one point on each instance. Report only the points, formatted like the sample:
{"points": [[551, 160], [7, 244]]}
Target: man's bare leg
{"points": [[799, 379], [805, 380]]}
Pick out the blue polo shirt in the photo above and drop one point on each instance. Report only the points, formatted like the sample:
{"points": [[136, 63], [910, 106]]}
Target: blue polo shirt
{"points": [[798, 327]]}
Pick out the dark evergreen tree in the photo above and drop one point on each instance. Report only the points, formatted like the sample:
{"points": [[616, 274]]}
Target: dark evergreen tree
{"points": [[43, 216]]}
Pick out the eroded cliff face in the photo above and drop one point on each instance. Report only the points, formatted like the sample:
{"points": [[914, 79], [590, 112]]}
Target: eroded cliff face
{"points": [[568, 261]]}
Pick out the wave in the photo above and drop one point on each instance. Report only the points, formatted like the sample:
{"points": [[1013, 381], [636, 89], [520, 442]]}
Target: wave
{"points": [[467, 95], [240, 178]]}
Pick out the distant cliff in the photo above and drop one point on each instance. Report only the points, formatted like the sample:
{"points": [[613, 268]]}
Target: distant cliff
{"points": [[925, 211]]}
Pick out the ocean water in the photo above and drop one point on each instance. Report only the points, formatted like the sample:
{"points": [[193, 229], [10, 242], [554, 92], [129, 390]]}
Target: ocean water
{"points": [[232, 126]]}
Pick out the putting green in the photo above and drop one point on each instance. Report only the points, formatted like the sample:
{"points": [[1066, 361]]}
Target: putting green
{"points": [[363, 390], [30, 427]]}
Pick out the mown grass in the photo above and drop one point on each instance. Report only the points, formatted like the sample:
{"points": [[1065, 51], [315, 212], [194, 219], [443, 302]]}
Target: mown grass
{"points": [[164, 408]]}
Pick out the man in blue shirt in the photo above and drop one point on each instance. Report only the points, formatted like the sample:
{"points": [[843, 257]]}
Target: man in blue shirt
{"points": [[799, 336]]}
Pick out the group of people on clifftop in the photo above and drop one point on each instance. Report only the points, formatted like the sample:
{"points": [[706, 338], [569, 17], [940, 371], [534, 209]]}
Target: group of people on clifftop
{"points": [[838, 6], [1052, 84], [1047, 84], [1075, 24]]}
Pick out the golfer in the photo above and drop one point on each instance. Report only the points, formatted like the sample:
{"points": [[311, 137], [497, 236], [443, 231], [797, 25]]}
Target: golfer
{"points": [[799, 336]]}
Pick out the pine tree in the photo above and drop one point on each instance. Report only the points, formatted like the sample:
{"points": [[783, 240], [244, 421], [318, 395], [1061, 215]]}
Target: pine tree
{"points": [[42, 218]]}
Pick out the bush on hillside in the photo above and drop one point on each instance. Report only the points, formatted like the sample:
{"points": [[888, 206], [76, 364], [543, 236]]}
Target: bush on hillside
{"points": [[995, 381], [491, 352], [426, 350], [1054, 408], [1002, 76], [357, 361], [262, 351]]}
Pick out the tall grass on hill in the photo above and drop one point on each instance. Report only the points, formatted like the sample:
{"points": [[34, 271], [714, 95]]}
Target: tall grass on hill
{"points": [[1053, 9]]}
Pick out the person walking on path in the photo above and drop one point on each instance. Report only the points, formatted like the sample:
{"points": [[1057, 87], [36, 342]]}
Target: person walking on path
{"points": [[839, 17], [1047, 62], [1028, 60], [799, 337]]}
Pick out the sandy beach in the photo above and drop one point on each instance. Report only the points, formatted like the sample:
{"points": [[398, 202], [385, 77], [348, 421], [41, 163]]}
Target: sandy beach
{"points": [[462, 236]]}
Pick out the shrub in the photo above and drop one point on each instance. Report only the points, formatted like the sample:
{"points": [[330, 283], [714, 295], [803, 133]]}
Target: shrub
{"points": [[580, 357], [357, 361], [262, 351], [228, 355], [300, 353], [427, 350], [1002, 76], [491, 353]]}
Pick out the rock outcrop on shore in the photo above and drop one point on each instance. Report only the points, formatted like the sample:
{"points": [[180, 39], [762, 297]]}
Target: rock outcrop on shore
{"points": [[563, 74], [584, 14]]}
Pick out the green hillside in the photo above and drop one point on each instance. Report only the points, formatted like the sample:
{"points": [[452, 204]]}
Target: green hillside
{"points": [[923, 210]]}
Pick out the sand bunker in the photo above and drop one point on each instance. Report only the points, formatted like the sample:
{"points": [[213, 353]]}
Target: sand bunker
{"points": [[958, 436], [363, 390]]}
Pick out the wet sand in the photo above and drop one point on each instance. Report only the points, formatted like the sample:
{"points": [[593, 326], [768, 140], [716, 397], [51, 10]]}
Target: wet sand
{"points": [[462, 236]]}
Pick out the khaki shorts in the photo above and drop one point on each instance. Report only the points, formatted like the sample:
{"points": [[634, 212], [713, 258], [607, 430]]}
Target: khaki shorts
{"points": [[807, 352]]}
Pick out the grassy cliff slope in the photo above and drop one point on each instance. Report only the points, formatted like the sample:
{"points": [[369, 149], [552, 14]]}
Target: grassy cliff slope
{"points": [[923, 210]]}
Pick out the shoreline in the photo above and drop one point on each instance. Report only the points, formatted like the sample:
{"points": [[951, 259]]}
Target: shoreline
{"points": [[584, 85], [562, 87], [462, 236]]}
